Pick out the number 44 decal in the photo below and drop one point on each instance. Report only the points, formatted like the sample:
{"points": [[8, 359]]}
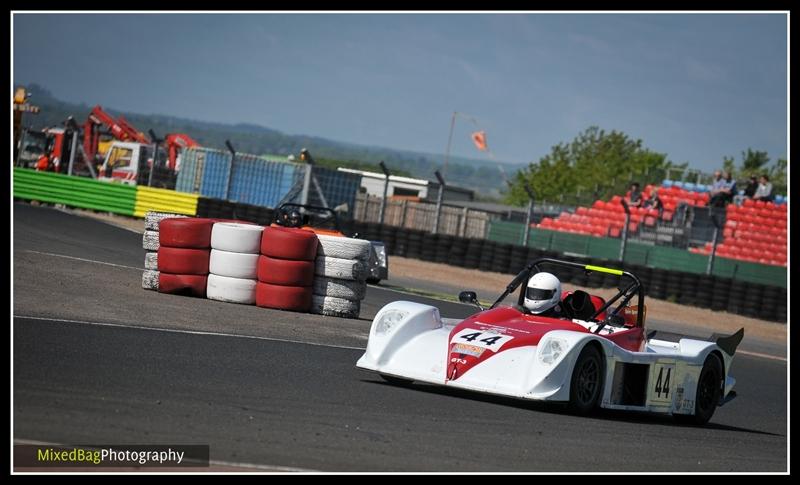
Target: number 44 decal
{"points": [[662, 376], [478, 338]]}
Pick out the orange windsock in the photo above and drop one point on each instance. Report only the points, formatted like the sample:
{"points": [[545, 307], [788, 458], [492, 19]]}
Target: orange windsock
{"points": [[479, 138]]}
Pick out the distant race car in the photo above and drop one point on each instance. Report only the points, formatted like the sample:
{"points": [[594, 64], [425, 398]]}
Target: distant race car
{"points": [[599, 357], [323, 220]]}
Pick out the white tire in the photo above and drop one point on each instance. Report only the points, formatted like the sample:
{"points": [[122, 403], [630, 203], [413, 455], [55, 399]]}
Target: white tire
{"points": [[232, 290], [236, 238], [233, 265], [344, 269], [152, 218], [151, 260], [150, 279], [335, 307], [346, 289], [150, 240], [343, 247]]}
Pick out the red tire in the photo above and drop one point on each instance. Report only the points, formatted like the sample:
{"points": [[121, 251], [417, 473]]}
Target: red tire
{"points": [[289, 243], [285, 272], [186, 261], [294, 298], [186, 232], [182, 284]]}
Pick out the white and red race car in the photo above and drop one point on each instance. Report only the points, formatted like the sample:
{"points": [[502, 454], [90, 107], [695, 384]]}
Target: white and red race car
{"points": [[599, 357]]}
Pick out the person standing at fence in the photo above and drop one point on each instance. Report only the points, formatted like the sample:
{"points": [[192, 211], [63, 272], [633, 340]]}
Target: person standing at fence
{"points": [[43, 163]]}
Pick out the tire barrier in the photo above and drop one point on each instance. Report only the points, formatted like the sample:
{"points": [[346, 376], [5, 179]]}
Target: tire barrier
{"points": [[340, 282], [186, 233], [236, 238], [444, 244], [151, 260], [285, 272], [79, 192], [335, 307], [279, 297], [428, 247], [151, 219], [285, 268], [183, 260], [388, 236], [231, 290], [338, 288], [414, 245], [233, 265], [289, 243], [150, 240], [179, 284], [150, 279], [343, 247]]}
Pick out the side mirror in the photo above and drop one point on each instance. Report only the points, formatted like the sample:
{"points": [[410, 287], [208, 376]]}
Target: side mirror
{"points": [[469, 297]]}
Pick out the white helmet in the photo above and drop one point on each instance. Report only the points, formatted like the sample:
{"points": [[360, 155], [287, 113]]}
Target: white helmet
{"points": [[543, 293]]}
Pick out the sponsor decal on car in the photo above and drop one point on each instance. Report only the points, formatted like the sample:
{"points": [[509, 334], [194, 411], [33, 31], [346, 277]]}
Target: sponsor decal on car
{"points": [[467, 349]]}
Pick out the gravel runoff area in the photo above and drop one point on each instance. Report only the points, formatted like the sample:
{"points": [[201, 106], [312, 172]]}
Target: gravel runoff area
{"points": [[490, 283]]}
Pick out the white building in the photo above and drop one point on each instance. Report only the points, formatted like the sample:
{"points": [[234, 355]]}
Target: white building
{"points": [[372, 183]]}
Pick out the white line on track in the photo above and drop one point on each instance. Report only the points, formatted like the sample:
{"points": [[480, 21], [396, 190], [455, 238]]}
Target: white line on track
{"points": [[763, 356], [81, 259], [190, 332], [273, 468]]}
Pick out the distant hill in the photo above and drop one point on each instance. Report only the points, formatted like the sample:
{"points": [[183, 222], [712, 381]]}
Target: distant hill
{"points": [[482, 176]]}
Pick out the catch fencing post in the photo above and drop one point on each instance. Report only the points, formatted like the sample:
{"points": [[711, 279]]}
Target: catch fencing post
{"points": [[528, 216], [438, 202], [230, 169], [155, 157], [624, 230], [74, 146], [385, 190], [716, 220]]}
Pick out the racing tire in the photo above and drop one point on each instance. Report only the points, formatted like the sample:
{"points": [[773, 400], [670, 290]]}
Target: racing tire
{"points": [[397, 381], [233, 264], [151, 260], [285, 272], [236, 237], [344, 269], [150, 240], [347, 289], [373, 281], [293, 298], [343, 247], [183, 260], [289, 243], [150, 279], [335, 307], [586, 384], [153, 218], [231, 290], [182, 284], [709, 391], [187, 232]]}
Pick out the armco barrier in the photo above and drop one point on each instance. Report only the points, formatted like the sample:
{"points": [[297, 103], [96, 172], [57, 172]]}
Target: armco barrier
{"points": [[74, 191], [641, 254], [164, 200], [717, 292]]}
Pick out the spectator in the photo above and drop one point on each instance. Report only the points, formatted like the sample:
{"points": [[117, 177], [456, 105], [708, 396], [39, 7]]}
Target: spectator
{"points": [[654, 202], [634, 196], [752, 186], [764, 191], [723, 190]]}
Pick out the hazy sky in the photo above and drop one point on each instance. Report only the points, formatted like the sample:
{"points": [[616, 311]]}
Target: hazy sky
{"points": [[695, 86]]}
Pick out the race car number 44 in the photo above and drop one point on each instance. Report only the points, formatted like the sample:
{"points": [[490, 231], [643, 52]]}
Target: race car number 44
{"points": [[479, 338]]}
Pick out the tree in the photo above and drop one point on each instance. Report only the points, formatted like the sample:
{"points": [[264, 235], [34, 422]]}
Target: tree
{"points": [[596, 163]]}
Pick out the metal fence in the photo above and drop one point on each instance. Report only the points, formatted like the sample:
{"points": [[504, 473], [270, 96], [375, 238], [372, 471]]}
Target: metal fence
{"points": [[455, 221]]}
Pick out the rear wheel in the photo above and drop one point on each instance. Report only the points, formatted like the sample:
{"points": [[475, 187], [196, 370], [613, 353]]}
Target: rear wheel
{"points": [[586, 385], [709, 390], [398, 381]]}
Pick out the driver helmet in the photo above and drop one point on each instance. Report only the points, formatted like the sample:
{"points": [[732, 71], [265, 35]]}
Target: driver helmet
{"points": [[543, 293], [295, 219]]}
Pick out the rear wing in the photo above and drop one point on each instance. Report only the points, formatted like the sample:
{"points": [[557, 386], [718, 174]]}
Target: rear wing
{"points": [[728, 343]]}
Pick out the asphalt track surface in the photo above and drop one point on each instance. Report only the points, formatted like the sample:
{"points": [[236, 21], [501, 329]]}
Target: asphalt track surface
{"points": [[99, 360]]}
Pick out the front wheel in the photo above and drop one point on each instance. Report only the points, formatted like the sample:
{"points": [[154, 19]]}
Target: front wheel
{"points": [[373, 281], [709, 390], [586, 385]]}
